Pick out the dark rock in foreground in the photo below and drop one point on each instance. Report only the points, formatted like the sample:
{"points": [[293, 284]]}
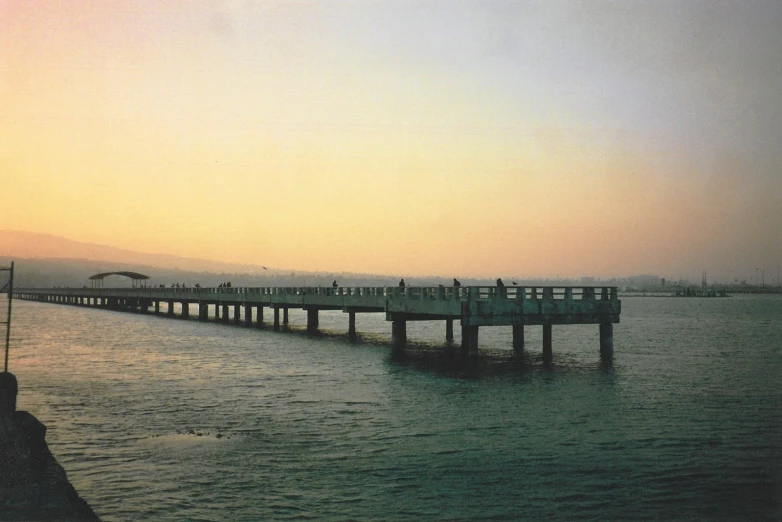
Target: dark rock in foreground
{"points": [[33, 486]]}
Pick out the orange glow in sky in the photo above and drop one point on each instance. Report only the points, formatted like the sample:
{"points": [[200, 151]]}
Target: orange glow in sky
{"points": [[557, 138]]}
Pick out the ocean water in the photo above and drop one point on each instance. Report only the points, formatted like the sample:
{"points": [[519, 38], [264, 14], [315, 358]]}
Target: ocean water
{"points": [[163, 419]]}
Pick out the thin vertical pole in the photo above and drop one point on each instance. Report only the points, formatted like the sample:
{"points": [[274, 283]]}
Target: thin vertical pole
{"points": [[8, 323]]}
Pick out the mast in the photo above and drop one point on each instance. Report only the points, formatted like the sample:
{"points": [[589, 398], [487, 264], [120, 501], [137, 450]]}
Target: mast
{"points": [[10, 287]]}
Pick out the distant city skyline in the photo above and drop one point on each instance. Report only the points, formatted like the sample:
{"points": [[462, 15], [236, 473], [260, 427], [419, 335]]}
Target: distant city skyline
{"points": [[555, 138]]}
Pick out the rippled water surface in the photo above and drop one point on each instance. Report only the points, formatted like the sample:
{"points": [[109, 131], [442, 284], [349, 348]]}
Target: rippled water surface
{"points": [[163, 419]]}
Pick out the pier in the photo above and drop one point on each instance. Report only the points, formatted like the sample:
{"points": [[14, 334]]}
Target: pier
{"points": [[472, 306]]}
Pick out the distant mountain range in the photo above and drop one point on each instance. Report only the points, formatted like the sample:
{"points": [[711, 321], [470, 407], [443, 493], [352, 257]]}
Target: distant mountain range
{"points": [[14, 243], [45, 260]]}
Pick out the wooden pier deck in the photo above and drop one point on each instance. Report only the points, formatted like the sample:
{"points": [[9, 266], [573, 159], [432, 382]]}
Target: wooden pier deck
{"points": [[472, 306]]}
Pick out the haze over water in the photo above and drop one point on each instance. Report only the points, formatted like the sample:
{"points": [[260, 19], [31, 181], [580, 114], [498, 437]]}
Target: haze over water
{"points": [[684, 424]]}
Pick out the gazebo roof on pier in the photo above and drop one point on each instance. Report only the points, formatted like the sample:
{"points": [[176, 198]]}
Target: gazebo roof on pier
{"points": [[132, 275]]}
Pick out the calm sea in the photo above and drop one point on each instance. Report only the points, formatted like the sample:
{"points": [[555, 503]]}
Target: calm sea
{"points": [[160, 419]]}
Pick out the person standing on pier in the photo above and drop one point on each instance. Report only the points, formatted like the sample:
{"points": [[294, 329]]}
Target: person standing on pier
{"points": [[500, 287], [402, 283], [456, 282]]}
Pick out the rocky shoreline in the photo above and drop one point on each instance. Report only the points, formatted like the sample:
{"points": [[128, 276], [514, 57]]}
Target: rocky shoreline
{"points": [[33, 486]]}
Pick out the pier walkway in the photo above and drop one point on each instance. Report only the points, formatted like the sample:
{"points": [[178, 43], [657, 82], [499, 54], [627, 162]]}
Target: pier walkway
{"points": [[472, 306]]}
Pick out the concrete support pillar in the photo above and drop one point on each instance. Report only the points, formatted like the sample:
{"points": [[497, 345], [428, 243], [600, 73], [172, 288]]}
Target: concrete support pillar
{"points": [[449, 330], [185, 310], [470, 341], [217, 311], [248, 315], [352, 325], [237, 314], [276, 318], [606, 340], [285, 316], [518, 339], [225, 313], [259, 317], [399, 333], [157, 307], [170, 308], [312, 320], [548, 353], [203, 311]]}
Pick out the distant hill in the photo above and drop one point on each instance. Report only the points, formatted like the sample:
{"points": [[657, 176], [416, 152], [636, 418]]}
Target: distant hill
{"points": [[14, 243], [44, 260]]}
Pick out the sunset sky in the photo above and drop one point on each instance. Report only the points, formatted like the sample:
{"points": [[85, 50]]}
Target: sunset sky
{"points": [[537, 139]]}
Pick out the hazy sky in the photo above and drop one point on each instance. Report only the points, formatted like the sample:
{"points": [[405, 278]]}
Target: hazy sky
{"points": [[411, 137]]}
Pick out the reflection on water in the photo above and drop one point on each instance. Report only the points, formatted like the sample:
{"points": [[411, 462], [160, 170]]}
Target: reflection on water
{"points": [[684, 423]]}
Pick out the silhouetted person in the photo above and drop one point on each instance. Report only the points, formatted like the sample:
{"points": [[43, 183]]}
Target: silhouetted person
{"points": [[500, 287], [456, 282], [401, 283], [334, 284]]}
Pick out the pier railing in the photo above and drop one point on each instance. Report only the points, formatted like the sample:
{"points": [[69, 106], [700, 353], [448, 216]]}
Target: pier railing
{"points": [[516, 293]]}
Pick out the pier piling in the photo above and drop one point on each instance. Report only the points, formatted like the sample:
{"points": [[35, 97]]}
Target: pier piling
{"points": [[518, 339], [399, 333], [352, 325], [312, 320], [548, 353], [606, 340]]}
